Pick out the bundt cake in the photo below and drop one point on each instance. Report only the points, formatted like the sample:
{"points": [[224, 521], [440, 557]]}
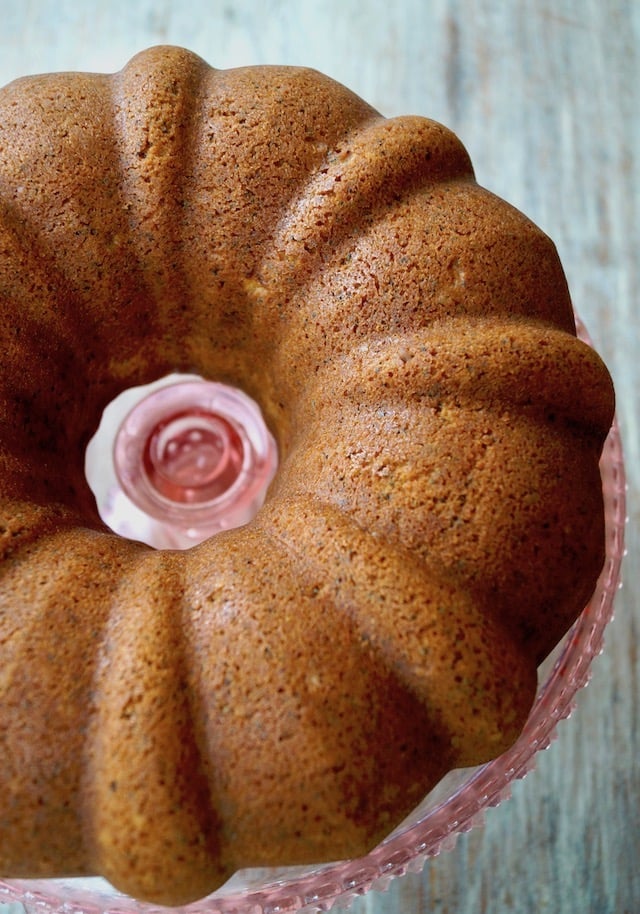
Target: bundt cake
{"points": [[287, 691]]}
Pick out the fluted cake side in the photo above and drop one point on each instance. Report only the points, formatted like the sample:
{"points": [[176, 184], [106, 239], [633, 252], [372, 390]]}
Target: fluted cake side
{"points": [[288, 691]]}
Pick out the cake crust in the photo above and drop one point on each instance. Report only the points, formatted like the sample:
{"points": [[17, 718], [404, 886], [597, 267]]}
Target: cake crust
{"points": [[286, 692]]}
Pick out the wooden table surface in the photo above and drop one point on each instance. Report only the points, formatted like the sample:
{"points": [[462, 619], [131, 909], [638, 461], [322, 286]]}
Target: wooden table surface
{"points": [[546, 97]]}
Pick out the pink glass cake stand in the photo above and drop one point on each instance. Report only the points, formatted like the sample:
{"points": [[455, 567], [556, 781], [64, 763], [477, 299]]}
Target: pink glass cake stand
{"points": [[456, 805]]}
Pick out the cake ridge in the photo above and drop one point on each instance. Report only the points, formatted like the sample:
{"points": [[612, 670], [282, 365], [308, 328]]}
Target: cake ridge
{"points": [[343, 554], [145, 734], [51, 671], [75, 137], [407, 268], [155, 101], [526, 374], [294, 636], [376, 162]]}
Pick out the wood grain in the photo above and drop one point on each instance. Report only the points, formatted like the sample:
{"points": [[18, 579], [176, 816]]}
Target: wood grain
{"points": [[545, 96]]}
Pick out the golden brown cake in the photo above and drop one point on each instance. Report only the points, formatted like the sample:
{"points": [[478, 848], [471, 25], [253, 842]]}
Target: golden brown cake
{"points": [[287, 691]]}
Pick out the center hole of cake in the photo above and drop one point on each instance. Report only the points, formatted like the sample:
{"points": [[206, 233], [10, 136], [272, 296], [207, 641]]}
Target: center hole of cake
{"points": [[176, 461], [194, 456]]}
